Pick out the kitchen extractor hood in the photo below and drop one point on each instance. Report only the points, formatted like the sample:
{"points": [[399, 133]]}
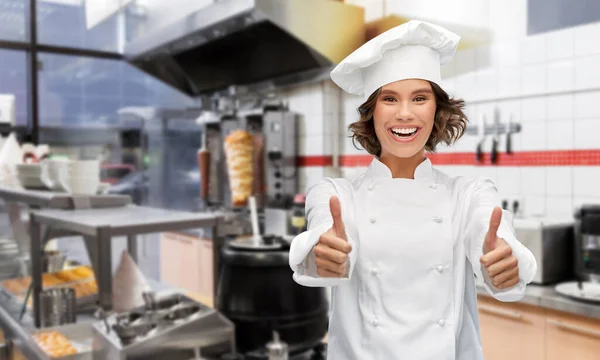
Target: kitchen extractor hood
{"points": [[243, 42]]}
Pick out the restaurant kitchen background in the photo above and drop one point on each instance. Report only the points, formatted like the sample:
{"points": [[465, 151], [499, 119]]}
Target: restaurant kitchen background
{"points": [[157, 92]]}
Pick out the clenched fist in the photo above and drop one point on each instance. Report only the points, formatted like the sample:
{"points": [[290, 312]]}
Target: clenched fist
{"points": [[331, 252], [502, 266]]}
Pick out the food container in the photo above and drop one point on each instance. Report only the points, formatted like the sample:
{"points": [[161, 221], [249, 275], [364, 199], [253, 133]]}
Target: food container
{"points": [[81, 337]]}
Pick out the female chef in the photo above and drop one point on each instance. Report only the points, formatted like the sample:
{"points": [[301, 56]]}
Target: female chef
{"points": [[399, 245]]}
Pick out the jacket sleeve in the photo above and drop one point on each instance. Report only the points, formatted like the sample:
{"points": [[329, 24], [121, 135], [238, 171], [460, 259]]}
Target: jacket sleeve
{"points": [[319, 220], [483, 200]]}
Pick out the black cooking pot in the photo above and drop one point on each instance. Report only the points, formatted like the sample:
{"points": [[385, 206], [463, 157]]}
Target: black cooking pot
{"points": [[258, 294]]}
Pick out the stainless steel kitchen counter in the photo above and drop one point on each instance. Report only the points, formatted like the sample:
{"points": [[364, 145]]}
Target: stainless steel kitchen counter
{"points": [[547, 297]]}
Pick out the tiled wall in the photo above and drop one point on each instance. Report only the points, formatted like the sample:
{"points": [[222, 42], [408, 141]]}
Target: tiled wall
{"points": [[550, 83]]}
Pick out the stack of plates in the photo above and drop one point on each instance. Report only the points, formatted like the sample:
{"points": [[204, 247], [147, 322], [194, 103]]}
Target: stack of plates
{"points": [[30, 176]]}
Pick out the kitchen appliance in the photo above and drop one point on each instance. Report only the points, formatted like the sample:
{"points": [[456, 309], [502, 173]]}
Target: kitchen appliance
{"points": [[257, 292], [239, 42], [274, 129], [167, 327], [587, 243], [551, 242]]}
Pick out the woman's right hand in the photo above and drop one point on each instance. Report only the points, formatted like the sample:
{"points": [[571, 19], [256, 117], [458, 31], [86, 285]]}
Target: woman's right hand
{"points": [[331, 252]]}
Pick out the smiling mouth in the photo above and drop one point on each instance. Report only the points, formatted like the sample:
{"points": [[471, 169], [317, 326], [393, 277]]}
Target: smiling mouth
{"points": [[404, 133]]}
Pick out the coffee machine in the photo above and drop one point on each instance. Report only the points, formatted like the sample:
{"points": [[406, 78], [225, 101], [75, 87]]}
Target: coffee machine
{"points": [[587, 243]]}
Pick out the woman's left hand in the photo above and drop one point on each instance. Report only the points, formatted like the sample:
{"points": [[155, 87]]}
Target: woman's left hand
{"points": [[502, 266]]}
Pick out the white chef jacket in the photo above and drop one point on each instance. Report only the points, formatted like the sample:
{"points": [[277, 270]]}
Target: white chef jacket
{"points": [[416, 246]]}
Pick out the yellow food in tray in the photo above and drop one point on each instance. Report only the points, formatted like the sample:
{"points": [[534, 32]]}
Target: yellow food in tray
{"points": [[76, 274], [81, 279], [55, 344]]}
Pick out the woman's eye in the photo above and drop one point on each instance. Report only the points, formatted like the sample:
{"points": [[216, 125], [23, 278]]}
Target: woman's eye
{"points": [[420, 98], [389, 99]]}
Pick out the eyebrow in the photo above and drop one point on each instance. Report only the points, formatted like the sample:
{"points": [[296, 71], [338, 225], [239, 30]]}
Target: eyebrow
{"points": [[418, 91]]}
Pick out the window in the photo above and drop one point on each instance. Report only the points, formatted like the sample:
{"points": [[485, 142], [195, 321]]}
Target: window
{"points": [[549, 15], [63, 23], [13, 20], [84, 91], [13, 80]]}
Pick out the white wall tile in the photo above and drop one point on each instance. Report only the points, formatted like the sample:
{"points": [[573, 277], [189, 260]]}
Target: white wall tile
{"points": [[449, 85], [312, 145], [585, 181], [486, 56], [585, 200], [533, 80], [533, 49], [534, 205], [486, 82], [509, 54], [560, 134], [533, 109], [310, 176], [559, 181], [559, 107], [586, 39], [509, 81], [533, 136], [586, 134], [560, 44], [486, 171], [347, 148], [533, 180], [587, 72], [464, 61], [559, 205], [509, 181], [465, 86], [586, 105], [561, 75]]}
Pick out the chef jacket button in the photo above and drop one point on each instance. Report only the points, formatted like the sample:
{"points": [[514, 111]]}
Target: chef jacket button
{"points": [[437, 219], [440, 268], [371, 187], [375, 322], [433, 186], [375, 271], [442, 322], [373, 220]]}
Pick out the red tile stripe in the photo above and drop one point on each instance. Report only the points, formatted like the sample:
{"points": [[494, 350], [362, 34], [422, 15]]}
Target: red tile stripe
{"points": [[522, 158], [317, 160]]}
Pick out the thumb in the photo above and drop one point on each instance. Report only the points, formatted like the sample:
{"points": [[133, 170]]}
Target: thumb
{"points": [[492, 235], [336, 212]]}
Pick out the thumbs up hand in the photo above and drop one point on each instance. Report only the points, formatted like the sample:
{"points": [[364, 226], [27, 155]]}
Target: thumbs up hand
{"points": [[502, 266], [331, 252]]}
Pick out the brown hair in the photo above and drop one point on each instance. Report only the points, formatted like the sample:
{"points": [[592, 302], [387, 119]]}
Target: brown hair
{"points": [[449, 124]]}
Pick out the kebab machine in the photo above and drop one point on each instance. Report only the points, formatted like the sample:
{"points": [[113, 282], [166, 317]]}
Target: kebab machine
{"points": [[248, 166]]}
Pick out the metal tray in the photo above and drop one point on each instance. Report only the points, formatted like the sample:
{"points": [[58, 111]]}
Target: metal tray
{"points": [[81, 335]]}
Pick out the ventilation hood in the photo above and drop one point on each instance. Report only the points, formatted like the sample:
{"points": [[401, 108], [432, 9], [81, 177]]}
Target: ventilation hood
{"points": [[244, 42]]}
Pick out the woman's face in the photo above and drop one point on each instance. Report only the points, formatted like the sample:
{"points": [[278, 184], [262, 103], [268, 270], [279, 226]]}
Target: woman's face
{"points": [[404, 116]]}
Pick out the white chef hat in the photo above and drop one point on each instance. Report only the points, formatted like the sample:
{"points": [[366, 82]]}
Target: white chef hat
{"points": [[413, 50]]}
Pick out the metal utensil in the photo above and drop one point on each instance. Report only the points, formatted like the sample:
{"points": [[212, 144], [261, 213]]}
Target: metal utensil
{"points": [[480, 139], [508, 135], [495, 139]]}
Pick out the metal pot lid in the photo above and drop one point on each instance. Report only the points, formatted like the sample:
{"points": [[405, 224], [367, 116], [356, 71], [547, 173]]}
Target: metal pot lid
{"points": [[265, 242], [589, 291]]}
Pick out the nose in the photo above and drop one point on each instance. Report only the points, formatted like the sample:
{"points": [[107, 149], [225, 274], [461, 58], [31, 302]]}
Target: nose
{"points": [[404, 111]]}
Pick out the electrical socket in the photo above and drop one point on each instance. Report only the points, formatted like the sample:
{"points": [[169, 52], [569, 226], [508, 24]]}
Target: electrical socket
{"points": [[510, 202]]}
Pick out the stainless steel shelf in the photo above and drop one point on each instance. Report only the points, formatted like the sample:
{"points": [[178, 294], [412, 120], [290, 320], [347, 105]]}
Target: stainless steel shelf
{"points": [[98, 227], [127, 220], [56, 200]]}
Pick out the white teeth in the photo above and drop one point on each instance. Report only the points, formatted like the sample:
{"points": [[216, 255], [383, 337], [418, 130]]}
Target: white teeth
{"points": [[404, 131]]}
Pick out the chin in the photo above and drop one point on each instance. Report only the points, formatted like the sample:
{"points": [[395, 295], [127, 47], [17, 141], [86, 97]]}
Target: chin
{"points": [[404, 152]]}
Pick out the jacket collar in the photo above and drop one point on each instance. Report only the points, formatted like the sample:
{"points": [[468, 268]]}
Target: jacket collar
{"points": [[423, 172]]}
